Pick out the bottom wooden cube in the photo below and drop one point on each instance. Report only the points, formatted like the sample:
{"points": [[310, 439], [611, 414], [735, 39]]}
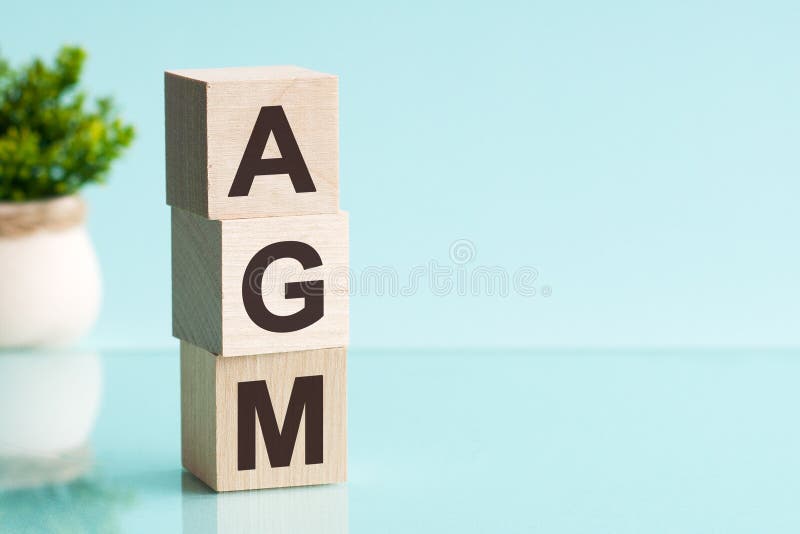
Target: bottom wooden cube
{"points": [[264, 421]]}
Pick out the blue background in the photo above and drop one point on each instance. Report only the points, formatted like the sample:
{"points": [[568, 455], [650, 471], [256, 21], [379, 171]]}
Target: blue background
{"points": [[642, 156]]}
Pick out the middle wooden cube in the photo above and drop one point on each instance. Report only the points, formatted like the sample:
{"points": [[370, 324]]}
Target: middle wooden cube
{"points": [[254, 286]]}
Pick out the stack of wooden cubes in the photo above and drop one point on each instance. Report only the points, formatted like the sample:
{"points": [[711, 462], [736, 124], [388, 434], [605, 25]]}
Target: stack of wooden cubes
{"points": [[259, 274]]}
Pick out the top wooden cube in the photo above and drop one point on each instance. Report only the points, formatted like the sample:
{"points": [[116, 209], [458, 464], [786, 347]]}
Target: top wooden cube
{"points": [[252, 141]]}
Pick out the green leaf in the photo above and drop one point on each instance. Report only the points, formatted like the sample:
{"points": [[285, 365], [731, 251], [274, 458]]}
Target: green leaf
{"points": [[51, 142]]}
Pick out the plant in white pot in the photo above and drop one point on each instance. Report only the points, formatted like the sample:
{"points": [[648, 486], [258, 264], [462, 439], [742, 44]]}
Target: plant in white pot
{"points": [[52, 143]]}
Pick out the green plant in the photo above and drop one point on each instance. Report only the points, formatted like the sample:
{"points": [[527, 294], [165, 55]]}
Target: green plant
{"points": [[51, 143]]}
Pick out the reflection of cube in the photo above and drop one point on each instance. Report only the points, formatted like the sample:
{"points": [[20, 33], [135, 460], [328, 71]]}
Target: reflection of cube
{"points": [[317, 510], [211, 117], [264, 421], [230, 298]]}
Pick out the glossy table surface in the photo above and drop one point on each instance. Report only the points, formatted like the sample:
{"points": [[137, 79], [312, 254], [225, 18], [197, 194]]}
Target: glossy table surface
{"points": [[477, 441]]}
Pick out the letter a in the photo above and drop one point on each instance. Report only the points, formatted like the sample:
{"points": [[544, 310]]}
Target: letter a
{"points": [[271, 119]]}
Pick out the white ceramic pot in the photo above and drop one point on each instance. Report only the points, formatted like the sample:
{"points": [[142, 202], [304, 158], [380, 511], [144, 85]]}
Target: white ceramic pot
{"points": [[49, 399], [49, 278]]}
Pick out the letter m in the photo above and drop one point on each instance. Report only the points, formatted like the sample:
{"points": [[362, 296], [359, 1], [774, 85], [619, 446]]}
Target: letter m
{"points": [[254, 404]]}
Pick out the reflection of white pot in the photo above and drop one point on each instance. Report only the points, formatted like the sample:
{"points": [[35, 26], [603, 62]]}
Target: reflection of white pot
{"points": [[48, 401], [49, 275]]}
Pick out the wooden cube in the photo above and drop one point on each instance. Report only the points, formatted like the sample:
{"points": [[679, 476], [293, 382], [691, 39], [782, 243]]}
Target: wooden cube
{"points": [[252, 141], [252, 286], [264, 421]]}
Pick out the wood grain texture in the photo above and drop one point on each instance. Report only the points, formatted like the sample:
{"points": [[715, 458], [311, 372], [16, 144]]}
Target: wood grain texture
{"points": [[209, 263], [196, 279], [224, 105], [216, 464], [186, 143], [198, 412]]}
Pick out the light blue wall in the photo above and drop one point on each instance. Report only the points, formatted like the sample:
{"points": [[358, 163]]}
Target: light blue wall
{"points": [[642, 156]]}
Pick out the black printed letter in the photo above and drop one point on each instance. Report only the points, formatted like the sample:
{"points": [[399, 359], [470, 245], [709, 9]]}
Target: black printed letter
{"points": [[271, 119], [311, 291], [254, 402]]}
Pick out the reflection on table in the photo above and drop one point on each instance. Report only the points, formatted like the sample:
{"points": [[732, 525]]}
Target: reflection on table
{"points": [[305, 510]]}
